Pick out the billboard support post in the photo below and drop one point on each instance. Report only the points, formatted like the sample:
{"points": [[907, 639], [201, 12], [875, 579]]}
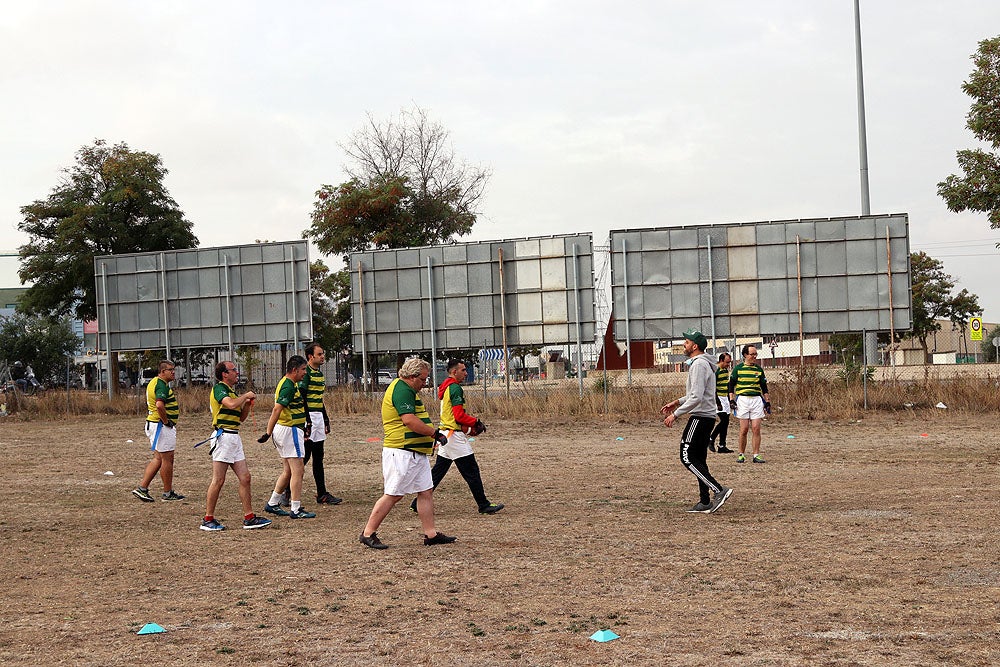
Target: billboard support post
{"points": [[295, 299], [711, 297], [503, 322], [798, 283], [229, 311], [166, 320], [107, 331], [576, 307], [892, 326], [430, 307], [628, 341], [365, 380]]}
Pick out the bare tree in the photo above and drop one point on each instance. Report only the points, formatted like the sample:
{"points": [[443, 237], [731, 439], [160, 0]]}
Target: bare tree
{"points": [[418, 149]]}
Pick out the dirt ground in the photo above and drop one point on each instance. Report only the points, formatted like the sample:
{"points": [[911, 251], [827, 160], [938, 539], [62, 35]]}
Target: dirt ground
{"points": [[864, 543]]}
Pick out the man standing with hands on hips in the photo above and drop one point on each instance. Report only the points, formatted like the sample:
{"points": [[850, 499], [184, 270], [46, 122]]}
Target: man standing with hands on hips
{"points": [[409, 440], [161, 429], [748, 387], [699, 402]]}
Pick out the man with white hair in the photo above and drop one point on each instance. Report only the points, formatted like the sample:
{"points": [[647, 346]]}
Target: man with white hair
{"points": [[410, 438]]}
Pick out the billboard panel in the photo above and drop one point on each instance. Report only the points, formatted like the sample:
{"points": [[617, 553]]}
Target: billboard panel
{"points": [[541, 288], [205, 297], [835, 274]]}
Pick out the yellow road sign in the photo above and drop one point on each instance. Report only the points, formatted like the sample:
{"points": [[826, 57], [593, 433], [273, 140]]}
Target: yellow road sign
{"points": [[976, 328]]}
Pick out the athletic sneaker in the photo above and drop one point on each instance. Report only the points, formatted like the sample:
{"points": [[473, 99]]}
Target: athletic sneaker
{"points": [[275, 509], [724, 450], [302, 514], [711, 445], [172, 495], [741, 458], [327, 499], [256, 522], [372, 541], [702, 508], [212, 526], [439, 538], [142, 494], [413, 505], [758, 459], [721, 497], [492, 508]]}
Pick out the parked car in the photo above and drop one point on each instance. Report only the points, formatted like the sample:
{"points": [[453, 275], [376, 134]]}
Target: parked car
{"points": [[200, 379], [146, 376], [384, 378]]}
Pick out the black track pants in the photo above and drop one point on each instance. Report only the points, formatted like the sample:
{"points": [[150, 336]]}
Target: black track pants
{"points": [[694, 451], [721, 429], [469, 469]]}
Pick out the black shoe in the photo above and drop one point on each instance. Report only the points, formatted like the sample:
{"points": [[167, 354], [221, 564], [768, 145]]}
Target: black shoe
{"points": [[711, 445], [373, 541], [492, 508], [724, 450], [439, 538], [413, 505], [327, 499]]}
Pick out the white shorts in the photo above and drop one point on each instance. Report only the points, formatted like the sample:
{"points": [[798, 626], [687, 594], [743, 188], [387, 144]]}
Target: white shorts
{"points": [[162, 438], [749, 407], [405, 472], [457, 447], [318, 431], [227, 448], [289, 441], [724, 402]]}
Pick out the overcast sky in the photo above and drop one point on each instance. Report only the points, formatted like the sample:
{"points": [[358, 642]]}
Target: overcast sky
{"points": [[592, 115]]}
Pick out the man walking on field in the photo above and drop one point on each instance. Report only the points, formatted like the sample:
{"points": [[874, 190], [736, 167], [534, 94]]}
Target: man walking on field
{"points": [[286, 423], [228, 412], [410, 437], [161, 429], [455, 420], [748, 387], [699, 402]]}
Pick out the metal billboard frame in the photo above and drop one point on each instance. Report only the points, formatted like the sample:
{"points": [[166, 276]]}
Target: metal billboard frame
{"points": [[464, 296], [205, 297], [809, 276]]}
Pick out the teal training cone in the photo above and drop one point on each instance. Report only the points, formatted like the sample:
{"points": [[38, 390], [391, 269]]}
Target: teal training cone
{"points": [[150, 629], [603, 636]]}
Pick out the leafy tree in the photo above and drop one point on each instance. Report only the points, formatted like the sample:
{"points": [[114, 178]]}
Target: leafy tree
{"points": [[250, 360], [978, 189], [406, 188], [42, 342], [847, 346], [331, 308], [111, 201], [933, 300]]}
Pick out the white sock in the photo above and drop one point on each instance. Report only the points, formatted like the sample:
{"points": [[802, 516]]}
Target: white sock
{"points": [[296, 505], [275, 499]]}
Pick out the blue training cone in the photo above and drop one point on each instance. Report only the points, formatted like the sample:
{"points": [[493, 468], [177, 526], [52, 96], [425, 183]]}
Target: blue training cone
{"points": [[603, 636], [150, 629]]}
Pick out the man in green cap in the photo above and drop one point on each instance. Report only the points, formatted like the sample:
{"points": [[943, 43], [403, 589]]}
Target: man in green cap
{"points": [[698, 402]]}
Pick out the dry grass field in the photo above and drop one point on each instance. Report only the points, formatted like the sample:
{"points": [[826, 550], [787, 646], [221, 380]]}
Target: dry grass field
{"points": [[858, 543]]}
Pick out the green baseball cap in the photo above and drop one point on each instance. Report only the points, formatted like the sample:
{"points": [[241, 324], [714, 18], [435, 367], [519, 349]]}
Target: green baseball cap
{"points": [[697, 337]]}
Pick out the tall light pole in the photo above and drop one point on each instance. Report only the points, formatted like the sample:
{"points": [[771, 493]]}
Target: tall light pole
{"points": [[870, 338]]}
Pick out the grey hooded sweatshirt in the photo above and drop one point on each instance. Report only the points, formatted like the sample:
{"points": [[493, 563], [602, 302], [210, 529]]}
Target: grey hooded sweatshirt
{"points": [[699, 400]]}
